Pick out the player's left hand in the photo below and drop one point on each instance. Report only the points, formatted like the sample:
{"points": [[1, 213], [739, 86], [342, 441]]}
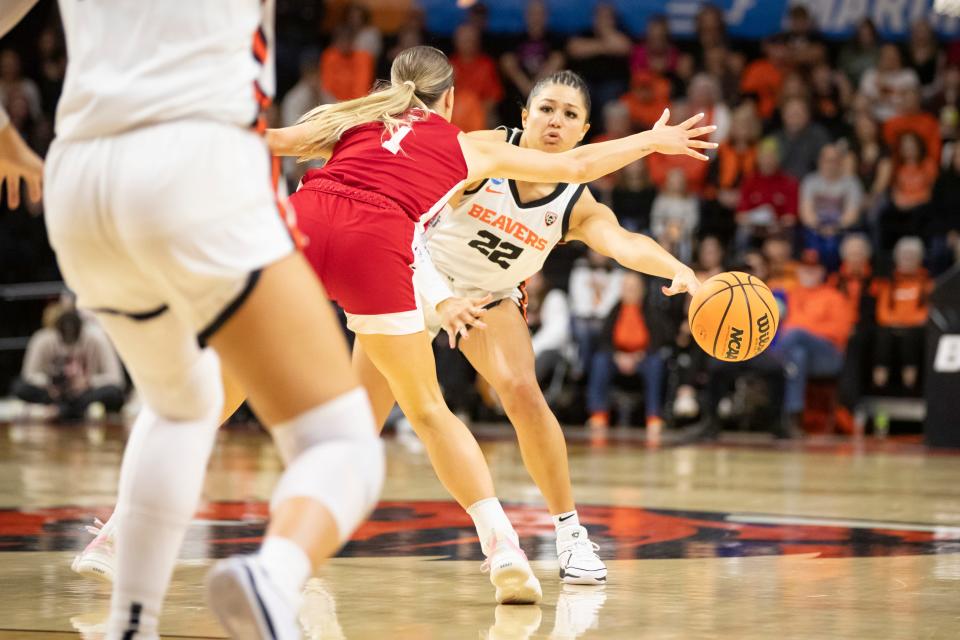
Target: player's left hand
{"points": [[685, 281], [457, 315], [19, 162]]}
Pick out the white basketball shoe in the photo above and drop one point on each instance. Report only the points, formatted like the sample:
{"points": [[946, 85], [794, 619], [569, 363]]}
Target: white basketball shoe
{"points": [[577, 554], [249, 605], [96, 560], [510, 573]]}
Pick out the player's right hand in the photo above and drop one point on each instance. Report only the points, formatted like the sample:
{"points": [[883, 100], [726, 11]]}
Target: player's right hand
{"points": [[681, 139], [19, 162], [457, 315]]}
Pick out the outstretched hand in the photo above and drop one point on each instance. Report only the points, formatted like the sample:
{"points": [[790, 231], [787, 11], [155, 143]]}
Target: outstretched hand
{"points": [[684, 281], [681, 139], [19, 162], [458, 315]]}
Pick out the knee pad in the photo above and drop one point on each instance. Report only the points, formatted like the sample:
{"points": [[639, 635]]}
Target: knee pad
{"points": [[188, 395], [334, 456]]}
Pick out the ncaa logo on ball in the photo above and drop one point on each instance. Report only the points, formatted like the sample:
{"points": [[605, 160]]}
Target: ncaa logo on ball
{"points": [[550, 218], [734, 343]]}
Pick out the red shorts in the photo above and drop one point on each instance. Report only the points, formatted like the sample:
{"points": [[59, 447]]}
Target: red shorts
{"points": [[361, 246]]}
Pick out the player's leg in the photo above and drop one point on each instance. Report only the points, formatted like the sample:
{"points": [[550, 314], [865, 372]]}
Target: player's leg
{"points": [[375, 383], [503, 355], [97, 558], [321, 422], [406, 361]]}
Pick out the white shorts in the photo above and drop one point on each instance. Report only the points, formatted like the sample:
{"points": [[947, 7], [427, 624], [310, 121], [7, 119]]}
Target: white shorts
{"points": [[515, 294], [162, 232]]}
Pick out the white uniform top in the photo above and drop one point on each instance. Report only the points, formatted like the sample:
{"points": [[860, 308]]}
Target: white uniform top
{"points": [[138, 63], [492, 241]]}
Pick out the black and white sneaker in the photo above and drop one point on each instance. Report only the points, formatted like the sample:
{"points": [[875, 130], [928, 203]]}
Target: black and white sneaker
{"points": [[579, 562], [248, 603]]}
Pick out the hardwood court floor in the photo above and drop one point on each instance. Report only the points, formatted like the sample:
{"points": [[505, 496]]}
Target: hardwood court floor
{"points": [[821, 540]]}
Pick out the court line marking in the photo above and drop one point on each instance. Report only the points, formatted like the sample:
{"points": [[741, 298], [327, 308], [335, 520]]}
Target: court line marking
{"points": [[847, 524]]}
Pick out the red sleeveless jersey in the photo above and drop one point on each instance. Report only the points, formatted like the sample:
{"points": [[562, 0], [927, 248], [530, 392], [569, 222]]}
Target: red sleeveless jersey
{"points": [[419, 167]]}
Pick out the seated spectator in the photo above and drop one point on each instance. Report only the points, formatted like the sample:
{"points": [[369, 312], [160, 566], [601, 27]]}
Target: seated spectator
{"points": [[52, 54], [860, 54], [703, 96], [925, 56], [814, 333], [914, 175], [735, 162], [601, 56], [710, 27], [726, 67], [676, 214], [830, 204], [853, 282], [947, 104], [800, 140], [475, 75], [710, 256], [536, 55], [768, 198], [624, 351], [616, 124], [883, 86], [632, 196], [868, 159], [763, 78], [345, 71], [831, 95], [12, 82], [656, 54], [902, 315], [367, 36], [941, 226], [649, 95], [594, 289], [914, 119], [71, 366], [782, 269], [548, 316]]}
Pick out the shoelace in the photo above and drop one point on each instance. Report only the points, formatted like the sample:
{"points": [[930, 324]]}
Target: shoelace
{"points": [[95, 528], [582, 545], [485, 567]]}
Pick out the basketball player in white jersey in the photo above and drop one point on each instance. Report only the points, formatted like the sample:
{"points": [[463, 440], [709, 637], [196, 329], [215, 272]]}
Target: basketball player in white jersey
{"points": [[159, 208], [498, 235]]}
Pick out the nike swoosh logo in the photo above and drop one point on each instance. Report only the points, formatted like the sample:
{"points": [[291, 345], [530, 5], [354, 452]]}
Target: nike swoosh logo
{"points": [[489, 190], [562, 519]]}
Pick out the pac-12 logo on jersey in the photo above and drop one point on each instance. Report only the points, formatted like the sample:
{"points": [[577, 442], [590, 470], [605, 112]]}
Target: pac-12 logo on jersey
{"points": [[550, 218], [497, 181]]}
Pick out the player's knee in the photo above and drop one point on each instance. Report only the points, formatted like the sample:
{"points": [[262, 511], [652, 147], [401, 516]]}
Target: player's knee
{"points": [[335, 457], [185, 396], [520, 391], [427, 416]]}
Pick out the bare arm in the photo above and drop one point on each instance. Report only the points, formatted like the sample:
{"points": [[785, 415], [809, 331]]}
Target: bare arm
{"points": [[11, 12], [488, 159], [511, 69], [595, 225], [286, 141]]}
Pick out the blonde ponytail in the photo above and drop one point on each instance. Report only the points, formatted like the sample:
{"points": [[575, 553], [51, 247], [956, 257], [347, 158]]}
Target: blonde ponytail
{"points": [[419, 76]]}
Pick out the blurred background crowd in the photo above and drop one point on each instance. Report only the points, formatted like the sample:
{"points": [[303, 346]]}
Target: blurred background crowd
{"points": [[837, 182]]}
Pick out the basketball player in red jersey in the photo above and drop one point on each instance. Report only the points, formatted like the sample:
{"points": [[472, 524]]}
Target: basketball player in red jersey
{"points": [[393, 162]]}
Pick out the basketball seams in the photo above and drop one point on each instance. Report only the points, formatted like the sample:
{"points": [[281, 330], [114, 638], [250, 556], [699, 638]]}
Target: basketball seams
{"points": [[746, 299], [708, 298], [775, 317], [716, 337]]}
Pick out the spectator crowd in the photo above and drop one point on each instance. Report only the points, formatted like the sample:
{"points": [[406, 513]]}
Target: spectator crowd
{"points": [[836, 181]]}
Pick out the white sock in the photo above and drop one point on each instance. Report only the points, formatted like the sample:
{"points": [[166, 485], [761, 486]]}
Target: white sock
{"points": [[287, 563], [489, 518], [160, 484], [568, 519]]}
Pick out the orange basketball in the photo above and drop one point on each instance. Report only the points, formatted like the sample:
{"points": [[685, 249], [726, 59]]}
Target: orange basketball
{"points": [[734, 316]]}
